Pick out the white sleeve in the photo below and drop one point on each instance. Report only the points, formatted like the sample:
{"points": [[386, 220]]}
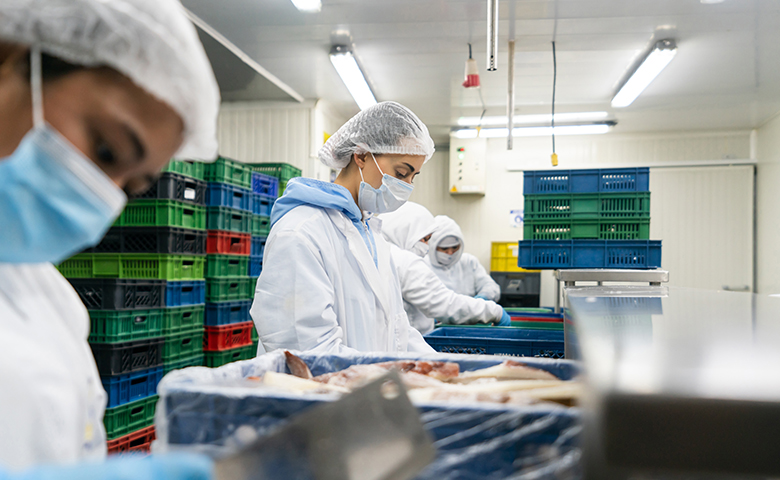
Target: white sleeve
{"points": [[417, 343], [422, 288], [484, 283], [294, 298]]}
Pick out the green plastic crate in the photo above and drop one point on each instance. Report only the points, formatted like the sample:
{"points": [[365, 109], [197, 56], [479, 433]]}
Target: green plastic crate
{"points": [[225, 170], [177, 320], [131, 417], [261, 225], [229, 289], [282, 171], [255, 337], [226, 266], [599, 229], [229, 219], [191, 169], [217, 359], [587, 206], [282, 187], [162, 213], [521, 310], [133, 265], [194, 361], [183, 345], [116, 326]]}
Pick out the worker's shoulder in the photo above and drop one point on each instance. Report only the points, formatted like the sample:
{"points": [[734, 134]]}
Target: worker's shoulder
{"points": [[304, 221], [468, 258]]}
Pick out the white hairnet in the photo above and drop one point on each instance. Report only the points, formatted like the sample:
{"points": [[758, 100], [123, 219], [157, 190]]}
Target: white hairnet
{"points": [[386, 127], [407, 225], [152, 42], [443, 228]]}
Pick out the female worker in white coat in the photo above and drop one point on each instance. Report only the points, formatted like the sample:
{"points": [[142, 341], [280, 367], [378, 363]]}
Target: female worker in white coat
{"points": [[95, 97], [426, 298], [328, 283], [458, 270]]}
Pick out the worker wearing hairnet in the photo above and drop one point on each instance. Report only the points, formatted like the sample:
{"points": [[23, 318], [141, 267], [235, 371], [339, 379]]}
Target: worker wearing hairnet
{"points": [[95, 98], [458, 270], [328, 283], [426, 298]]}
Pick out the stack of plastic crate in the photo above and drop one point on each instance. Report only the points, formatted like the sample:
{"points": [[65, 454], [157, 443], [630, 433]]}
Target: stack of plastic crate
{"points": [[282, 171], [229, 288], [588, 219], [156, 247]]}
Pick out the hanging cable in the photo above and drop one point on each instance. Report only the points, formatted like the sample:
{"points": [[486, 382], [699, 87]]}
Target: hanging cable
{"points": [[554, 156]]}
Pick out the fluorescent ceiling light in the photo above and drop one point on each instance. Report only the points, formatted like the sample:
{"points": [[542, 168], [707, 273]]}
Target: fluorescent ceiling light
{"points": [[308, 5], [540, 119], [663, 52], [596, 129], [348, 69]]}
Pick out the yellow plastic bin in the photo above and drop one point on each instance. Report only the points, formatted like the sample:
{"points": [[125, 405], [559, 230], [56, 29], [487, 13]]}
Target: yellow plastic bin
{"points": [[503, 258]]}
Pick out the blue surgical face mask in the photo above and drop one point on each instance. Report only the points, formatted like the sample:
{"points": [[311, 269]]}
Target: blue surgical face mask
{"points": [[388, 198], [54, 202]]}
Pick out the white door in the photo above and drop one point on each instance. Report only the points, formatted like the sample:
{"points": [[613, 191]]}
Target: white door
{"points": [[704, 215]]}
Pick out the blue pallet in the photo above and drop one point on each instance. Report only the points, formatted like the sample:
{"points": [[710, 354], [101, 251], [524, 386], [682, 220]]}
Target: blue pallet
{"points": [[262, 204], [564, 254], [586, 181], [474, 441], [255, 266], [190, 292], [130, 387], [225, 195], [258, 246], [226, 313], [265, 184], [519, 342]]}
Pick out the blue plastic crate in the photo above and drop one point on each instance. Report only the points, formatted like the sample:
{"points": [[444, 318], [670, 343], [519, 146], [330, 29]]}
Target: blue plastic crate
{"points": [[474, 441], [258, 246], [561, 254], [586, 181], [231, 196], [226, 313], [255, 266], [265, 184], [130, 387], [519, 342], [179, 294], [263, 204]]}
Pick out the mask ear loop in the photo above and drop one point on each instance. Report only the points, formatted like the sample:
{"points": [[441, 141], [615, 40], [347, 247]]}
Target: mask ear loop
{"points": [[36, 86]]}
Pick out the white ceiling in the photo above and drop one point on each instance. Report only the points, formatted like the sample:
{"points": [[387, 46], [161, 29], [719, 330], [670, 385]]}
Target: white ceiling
{"points": [[726, 74]]}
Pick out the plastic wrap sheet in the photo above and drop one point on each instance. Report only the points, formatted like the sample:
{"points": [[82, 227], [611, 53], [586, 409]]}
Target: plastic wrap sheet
{"points": [[211, 410]]}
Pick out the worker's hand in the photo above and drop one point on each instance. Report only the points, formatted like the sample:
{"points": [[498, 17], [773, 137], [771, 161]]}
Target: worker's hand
{"points": [[482, 298], [506, 320], [178, 466]]}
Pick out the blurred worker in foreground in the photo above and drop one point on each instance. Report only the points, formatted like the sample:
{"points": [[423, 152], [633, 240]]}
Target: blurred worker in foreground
{"points": [[328, 283], [95, 97], [457, 269], [426, 298]]}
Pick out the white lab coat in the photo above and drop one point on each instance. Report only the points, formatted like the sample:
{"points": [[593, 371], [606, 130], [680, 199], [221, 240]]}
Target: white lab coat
{"points": [[321, 291], [466, 275], [426, 298], [51, 398]]}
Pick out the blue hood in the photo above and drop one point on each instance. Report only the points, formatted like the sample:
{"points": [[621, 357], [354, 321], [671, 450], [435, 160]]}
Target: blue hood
{"points": [[308, 191]]}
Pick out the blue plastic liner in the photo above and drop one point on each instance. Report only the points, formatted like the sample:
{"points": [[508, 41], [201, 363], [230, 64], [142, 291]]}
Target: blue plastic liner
{"points": [[122, 389], [190, 292], [201, 409], [521, 342], [560, 254], [586, 181]]}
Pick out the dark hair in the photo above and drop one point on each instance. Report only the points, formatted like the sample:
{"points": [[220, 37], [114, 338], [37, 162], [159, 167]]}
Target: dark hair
{"points": [[52, 67]]}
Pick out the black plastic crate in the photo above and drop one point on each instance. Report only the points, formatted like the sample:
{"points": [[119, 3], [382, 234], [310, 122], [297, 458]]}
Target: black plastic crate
{"points": [[172, 186], [119, 293], [170, 240], [128, 357]]}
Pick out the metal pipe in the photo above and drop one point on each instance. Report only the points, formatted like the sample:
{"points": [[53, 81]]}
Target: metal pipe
{"points": [[510, 97], [492, 34]]}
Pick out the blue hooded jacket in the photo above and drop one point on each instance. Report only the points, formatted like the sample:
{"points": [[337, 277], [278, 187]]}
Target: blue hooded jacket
{"points": [[316, 193]]}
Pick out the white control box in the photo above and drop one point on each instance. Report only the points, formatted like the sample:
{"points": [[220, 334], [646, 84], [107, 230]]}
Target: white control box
{"points": [[468, 171]]}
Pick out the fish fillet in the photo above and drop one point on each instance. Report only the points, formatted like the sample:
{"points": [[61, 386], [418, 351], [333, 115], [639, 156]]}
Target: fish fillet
{"points": [[293, 383], [297, 366], [509, 370]]}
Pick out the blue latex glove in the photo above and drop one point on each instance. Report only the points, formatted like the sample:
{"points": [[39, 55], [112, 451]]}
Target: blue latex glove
{"points": [[177, 466], [483, 298], [506, 320]]}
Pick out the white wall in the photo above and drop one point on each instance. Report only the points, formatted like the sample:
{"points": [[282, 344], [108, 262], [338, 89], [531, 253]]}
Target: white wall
{"points": [[768, 208]]}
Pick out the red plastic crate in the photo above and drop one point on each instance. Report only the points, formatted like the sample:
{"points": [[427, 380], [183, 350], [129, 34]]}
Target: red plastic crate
{"points": [[228, 243], [139, 441], [226, 337]]}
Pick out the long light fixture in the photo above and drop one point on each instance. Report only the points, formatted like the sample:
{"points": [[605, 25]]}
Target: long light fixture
{"points": [[346, 65], [540, 119], [593, 129], [651, 65], [309, 6]]}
